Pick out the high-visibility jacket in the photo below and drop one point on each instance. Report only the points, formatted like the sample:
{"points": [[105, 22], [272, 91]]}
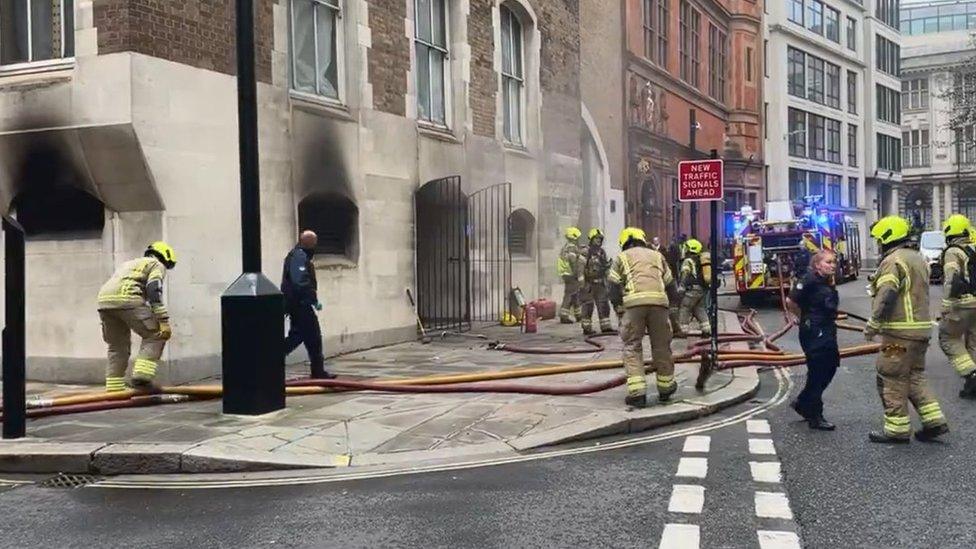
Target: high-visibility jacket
{"points": [[956, 263], [643, 274], [901, 295], [690, 273], [136, 283], [568, 262], [595, 264]]}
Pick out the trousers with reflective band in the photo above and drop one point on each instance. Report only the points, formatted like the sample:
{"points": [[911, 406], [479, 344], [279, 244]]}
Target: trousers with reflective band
{"points": [[957, 335], [693, 308], [651, 321], [117, 327], [901, 381]]}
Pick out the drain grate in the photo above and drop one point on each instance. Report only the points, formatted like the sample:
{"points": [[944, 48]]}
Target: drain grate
{"points": [[67, 480]]}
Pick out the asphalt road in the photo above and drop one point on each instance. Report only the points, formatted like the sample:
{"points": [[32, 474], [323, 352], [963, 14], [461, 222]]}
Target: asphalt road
{"points": [[843, 491]]}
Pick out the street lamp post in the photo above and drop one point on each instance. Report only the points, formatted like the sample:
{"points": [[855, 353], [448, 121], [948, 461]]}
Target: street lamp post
{"points": [[14, 338], [252, 307]]}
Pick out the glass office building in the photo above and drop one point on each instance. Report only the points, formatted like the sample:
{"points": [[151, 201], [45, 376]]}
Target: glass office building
{"points": [[931, 17]]}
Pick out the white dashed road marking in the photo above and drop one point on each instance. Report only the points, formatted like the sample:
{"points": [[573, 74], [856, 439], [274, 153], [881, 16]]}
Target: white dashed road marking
{"points": [[761, 447], [766, 471], [773, 505], [769, 539], [697, 444], [693, 467], [680, 536], [757, 426], [686, 498]]}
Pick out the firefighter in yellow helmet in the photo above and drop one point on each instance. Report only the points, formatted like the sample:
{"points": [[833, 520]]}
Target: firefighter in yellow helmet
{"points": [[593, 293], [568, 269], [695, 283], [958, 323], [132, 301], [642, 284], [900, 314]]}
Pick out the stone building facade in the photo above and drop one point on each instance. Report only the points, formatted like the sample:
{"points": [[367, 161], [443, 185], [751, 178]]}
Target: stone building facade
{"points": [[361, 104]]}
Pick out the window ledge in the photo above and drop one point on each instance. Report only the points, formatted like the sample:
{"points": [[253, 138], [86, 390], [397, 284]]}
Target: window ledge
{"points": [[434, 131], [518, 150], [333, 262], [317, 104], [37, 67]]}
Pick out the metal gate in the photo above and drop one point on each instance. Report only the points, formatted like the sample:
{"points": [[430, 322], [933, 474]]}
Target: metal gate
{"points": [[443, 295], [489, 211]]}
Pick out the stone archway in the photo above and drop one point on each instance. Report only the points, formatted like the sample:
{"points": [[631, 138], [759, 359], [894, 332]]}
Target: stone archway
{"points": [[918, 208]]}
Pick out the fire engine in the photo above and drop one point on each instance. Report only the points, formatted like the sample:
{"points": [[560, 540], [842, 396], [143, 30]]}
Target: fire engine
{"points": [[771, 248]]}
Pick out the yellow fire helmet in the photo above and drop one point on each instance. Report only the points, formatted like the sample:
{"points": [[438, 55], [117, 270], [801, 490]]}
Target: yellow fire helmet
{"points": [[693, 246], [956, 225], [631, 233], [890, 229], [594, 233], [164, 252], [572, 233]]}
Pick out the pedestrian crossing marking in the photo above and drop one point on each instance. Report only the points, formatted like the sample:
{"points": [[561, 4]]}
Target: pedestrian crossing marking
{"points": [[680, 536], [697, 444], [762, 447], [771, 539], [766, 471], [686, 498], [773, 505], [757, 427], [693, 467]]}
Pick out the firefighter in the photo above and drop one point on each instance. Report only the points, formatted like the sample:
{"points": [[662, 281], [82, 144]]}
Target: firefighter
{"points": [[593, 292], [641, 283], [900, 315], [958, 324], [568, 268], [132, 301], [694, 283]]}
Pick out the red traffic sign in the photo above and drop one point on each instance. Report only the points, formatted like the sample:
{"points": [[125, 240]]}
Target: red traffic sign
{"points": [[700, 180]]}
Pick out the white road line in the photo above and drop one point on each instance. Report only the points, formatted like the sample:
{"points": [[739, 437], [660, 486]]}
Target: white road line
{"points": [[769, 539], [697, 444], [687, 498], [692, 467], [680, 536], [757, 426], [766, 471], [773, 505], [762, 447]]}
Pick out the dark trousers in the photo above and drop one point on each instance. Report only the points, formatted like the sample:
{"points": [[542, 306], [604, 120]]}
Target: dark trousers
{"points": [[819, 344], [305, 329]]}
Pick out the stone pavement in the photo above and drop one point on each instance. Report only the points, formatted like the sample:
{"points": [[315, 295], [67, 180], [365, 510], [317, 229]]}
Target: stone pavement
{"points": [[372, 429]]}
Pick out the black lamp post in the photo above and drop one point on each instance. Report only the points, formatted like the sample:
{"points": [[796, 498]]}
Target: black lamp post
{"points": [[252, 308]]}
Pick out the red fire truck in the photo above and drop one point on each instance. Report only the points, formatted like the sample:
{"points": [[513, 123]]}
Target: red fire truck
{"points": [[770, 248]]}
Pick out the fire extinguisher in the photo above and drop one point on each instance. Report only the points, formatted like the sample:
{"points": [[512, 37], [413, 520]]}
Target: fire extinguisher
{"points": [[531, 318]]}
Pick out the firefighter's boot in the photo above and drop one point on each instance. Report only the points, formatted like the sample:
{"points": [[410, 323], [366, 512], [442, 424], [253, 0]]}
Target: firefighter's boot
{"points": [[636, 401], [930, 434], [883, 438], [969, 388]]}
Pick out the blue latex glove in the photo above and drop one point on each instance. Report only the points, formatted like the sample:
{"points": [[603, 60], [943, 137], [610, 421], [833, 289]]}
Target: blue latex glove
{"points": [[318, 305]]}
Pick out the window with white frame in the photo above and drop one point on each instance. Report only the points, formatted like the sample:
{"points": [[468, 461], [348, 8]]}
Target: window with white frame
{"points": [[915, 94], [794, 11], [513, 76], [315, 47], [430, 43], [915, 148], [36, 30], [851, 34], [852, 192]]}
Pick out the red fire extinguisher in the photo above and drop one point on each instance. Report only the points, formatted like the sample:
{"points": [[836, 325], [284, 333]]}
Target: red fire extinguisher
{"points": [[530, 319]]}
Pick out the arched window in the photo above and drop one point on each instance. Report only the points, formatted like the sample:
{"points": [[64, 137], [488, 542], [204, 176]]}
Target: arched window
{"points": [[521, 227], [58, 210], [335, 218]]}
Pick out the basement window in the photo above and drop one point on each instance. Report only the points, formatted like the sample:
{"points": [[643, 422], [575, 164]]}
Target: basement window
{"points": [[521, 226], [335, 219], [59, 210]]}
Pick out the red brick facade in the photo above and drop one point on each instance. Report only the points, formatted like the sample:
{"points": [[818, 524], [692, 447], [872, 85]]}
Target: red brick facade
{"points": [[484, 80], [199, 33], [389, 56]]}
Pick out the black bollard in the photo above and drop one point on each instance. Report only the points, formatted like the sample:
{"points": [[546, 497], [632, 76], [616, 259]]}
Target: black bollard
{"points": [[14, 337]]}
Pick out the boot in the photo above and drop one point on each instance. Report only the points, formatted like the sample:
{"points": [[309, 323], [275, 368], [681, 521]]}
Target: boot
{"points": [[666, 395], [969, 388], [144, 385], [565, 320], [883, 438], [930, 434], [636, 401], [319, 371], [821, 424], [588, 331]]}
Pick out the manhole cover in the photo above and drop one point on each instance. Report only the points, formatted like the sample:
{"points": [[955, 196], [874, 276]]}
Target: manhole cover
{"points": [[65, 480]]}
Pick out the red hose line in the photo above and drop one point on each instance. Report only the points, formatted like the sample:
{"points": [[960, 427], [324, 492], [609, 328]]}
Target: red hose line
{"points": [[134, 402]]}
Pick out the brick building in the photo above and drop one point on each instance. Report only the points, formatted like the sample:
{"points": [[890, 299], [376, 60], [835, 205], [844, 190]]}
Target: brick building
{"points": [[694, 83], [118, 126]]}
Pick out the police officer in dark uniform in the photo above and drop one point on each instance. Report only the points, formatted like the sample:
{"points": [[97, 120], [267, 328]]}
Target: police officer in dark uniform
{"points": [[814, 299], [300, 287]]}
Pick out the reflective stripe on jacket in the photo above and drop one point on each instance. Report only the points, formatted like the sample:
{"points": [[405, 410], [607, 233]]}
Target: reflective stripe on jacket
{"points": [[128, 286], [904, 273], [955, 262], [568, 262], [643, 274]]}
